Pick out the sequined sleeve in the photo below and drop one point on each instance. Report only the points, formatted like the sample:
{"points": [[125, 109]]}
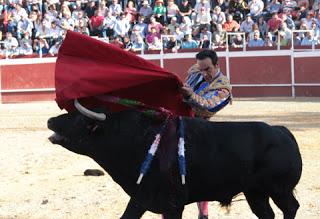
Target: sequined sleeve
{"points": [[212, 101]]}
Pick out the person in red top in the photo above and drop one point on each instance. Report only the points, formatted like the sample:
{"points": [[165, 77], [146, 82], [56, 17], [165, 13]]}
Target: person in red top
{"points": [[231, 25], [274, 23], [96, 23]]}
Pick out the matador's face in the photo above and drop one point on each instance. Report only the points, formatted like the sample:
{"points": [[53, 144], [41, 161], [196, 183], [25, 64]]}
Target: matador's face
{"points": [[207, 68]]}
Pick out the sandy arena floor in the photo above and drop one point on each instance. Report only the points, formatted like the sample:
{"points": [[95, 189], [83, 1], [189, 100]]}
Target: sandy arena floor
{"points": [[44, 181]]}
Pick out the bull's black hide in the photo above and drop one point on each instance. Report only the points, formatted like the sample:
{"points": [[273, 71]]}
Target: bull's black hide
{"points": [[222, 158]]}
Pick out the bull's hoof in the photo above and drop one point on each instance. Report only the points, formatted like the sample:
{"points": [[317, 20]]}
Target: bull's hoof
{"points": [[93, 172]]}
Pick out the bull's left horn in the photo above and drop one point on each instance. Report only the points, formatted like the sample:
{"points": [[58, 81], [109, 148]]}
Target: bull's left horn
{"points": [[89, 113]]}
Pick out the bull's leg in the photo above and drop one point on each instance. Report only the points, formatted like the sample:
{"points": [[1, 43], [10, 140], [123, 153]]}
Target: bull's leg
{"points": [[133, 211], [259, 204], [287, 203], [173, 214]]}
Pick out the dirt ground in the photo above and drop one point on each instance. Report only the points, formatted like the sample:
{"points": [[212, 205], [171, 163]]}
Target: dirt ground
{"points": [[39, 180]]}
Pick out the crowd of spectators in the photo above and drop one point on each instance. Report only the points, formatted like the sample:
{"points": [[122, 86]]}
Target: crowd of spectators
{"points": [[39, 26]]}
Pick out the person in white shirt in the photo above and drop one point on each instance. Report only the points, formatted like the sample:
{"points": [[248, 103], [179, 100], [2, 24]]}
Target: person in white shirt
{"points": [[25, 47], [146, 10], [256, 8], [10, 44], [122, 26], [246, 25], [24, 26], [55, 48], [115, 8]]}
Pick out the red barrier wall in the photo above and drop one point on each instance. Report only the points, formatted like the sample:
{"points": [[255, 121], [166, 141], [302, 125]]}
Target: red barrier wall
{"points": [[251, 75]]}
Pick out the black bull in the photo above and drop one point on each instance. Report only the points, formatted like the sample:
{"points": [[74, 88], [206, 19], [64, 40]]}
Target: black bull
{"points": [[223, 159]]}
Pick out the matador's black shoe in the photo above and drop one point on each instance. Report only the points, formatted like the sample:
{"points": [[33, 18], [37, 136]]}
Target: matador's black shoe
{"points": [[203, 217]]}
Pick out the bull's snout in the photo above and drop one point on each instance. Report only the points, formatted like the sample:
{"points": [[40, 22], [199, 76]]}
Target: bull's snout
{"points": [[49, 123]]}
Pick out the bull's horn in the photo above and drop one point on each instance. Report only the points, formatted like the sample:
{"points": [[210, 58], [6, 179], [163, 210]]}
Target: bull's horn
{"points": [[89, 113]]}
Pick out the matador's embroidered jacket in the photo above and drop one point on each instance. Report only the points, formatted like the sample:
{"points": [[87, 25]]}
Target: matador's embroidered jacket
{"points": [[208, 97]]}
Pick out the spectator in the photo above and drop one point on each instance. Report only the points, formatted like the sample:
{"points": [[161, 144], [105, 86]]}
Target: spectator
{"points": [[274, 23], [54, 33], [287, 33], [127, 44], [115, 8], [53, 51], [189, 43], [146, 10], [246, 25], [317, 19], [222, 4], [52, 12], [173, 44], [205, 32], [219, 36], [205, 43], [262, 26], [42, 31], [218, 17], [141, 26], [283, 40], [296, 39], [160, 12], [82, 28], [68, 21], [303, 3], [155, 24], [172, 10], [41, 46], [156, 44], [308, 40], [230, 25], [18, 12], [138, 45], [238, 8], [131, 12], [152, 35], [237, 41], [186, 26], [103, 7], [268, 40], [108, 25], [135, 34], [173, 24], [202, 10], [308, 20], [256, 7], [90, 8], [273, 7], [117, 42], [185, 9], [255, 28], [316, 31], [24, 26], [122, 26], [289, 5], [25, 47], [179, 34], [256, 41], [96, 24], [288, 21]]}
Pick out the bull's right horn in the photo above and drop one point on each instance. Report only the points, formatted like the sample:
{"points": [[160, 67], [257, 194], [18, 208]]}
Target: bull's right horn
{"points": [[89, 113]]}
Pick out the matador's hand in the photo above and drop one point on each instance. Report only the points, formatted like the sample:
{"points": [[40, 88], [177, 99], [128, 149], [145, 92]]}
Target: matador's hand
{"points": [[186, 91]]}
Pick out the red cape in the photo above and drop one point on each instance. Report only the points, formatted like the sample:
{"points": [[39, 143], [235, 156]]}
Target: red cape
{"points": [[87, 67]]}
